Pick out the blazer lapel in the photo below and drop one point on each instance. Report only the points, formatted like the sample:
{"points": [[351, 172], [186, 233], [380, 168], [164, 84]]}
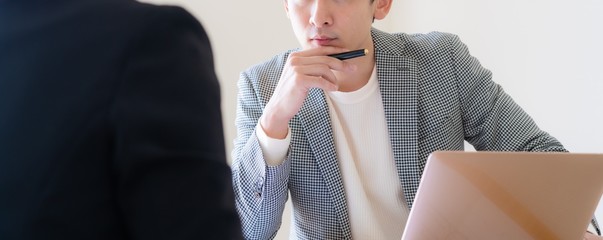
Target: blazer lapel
{"points": [[314, 117], [398, 81]]}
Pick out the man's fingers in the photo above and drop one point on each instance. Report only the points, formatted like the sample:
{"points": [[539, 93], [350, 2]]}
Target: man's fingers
{"points": [[317, 70], [331, 62], [320, 82], [320, 56], [312, 68]]}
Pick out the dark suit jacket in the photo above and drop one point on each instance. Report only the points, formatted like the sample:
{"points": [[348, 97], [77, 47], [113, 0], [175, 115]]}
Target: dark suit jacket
{"points": [[110, 124]]}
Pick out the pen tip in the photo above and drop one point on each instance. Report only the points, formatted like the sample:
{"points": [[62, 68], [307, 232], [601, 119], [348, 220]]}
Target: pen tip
{"points": [[365, 51]]}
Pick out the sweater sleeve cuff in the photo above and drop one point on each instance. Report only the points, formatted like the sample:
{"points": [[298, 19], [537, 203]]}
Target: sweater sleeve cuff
{"points": [[274, 150]]}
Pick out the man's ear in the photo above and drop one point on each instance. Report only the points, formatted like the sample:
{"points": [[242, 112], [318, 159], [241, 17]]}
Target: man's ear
{"points": [[286, 5], [382, 8]]}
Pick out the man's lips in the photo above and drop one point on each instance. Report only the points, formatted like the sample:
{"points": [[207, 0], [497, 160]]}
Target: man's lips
{"points": [[322, 40]]}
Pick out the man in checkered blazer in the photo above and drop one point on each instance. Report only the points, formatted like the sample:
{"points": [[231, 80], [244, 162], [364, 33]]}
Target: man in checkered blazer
{"points": [[348, 139]]}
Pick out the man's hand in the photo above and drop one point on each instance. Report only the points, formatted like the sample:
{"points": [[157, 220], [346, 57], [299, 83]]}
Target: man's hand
{"points": [[306, 69], [591, 236]]}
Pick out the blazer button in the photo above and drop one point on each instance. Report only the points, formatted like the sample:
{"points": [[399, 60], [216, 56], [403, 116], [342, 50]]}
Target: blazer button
{"points": [[259, 185]]}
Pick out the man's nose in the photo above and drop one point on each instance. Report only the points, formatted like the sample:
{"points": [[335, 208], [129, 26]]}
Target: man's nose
{"points": [[321, 14]]}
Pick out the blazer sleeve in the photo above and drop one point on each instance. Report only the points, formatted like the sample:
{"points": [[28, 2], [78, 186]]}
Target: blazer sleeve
{"points": [[492, 120], [260, 190], [170, 162]]}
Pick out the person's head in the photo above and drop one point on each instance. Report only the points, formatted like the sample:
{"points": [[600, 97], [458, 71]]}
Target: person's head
{"points": [[340, 23]]}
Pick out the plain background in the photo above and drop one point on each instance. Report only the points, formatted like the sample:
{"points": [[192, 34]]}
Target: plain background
{"points": [[545, 53]]}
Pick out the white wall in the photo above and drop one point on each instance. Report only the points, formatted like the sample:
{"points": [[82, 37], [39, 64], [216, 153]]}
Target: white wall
{"points": [[545, 53]]}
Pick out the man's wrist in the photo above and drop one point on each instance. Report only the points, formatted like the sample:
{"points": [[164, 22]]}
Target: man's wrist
{"points": [[273, 127]]}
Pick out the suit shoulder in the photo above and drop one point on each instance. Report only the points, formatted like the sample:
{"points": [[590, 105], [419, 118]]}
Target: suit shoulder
{"points": [[419, 43], [149, 23], [160, 15], [434, 37], [430, 42], [133, 15]]}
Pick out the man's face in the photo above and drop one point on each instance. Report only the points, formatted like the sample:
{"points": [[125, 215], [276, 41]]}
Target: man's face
{"points": [[339, 23]]}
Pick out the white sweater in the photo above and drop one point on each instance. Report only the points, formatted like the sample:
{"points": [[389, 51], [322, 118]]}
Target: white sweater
{"points": [[376, 204]]}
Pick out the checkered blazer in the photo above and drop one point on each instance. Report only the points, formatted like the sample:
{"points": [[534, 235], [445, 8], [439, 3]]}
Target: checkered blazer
{"points": [[435, 96]]}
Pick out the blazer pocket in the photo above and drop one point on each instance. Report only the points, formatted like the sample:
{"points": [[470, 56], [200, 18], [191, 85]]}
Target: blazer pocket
{"points": [[444, 132]]}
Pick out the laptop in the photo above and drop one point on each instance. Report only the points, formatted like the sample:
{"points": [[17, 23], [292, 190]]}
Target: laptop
{"points": [[506, 195]]}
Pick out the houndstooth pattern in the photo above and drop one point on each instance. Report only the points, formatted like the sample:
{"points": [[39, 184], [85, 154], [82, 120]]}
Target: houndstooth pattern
{"points": [[435, 96]]}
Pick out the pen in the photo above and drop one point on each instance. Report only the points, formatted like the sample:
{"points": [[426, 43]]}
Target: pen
{"points": [[350, 54]]}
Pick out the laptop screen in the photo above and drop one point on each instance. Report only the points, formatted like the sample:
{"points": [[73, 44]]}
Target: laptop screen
{"points": [[506, 195]]}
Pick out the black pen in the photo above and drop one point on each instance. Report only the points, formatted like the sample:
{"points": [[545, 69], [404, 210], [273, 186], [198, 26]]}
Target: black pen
{"points": [[350, 54]]}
